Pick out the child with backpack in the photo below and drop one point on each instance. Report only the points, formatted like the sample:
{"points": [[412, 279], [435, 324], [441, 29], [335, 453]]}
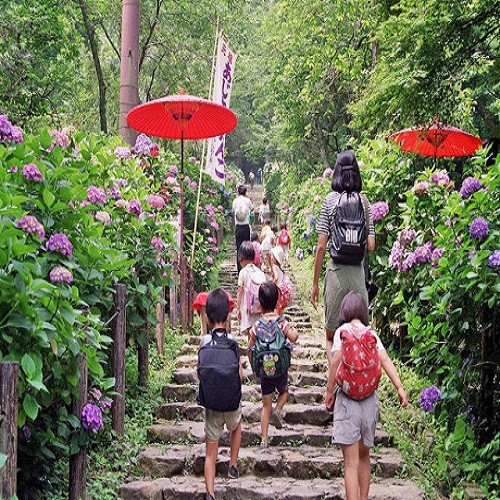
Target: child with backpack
{"points": [[284, 241], [358, 356], [220, 374], [249, 280], [269, 353], [264, 211], [281, 280], [254, 238]]}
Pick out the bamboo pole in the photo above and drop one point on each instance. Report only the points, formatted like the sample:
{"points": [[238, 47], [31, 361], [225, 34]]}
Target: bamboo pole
{"points": [[118, 359]]}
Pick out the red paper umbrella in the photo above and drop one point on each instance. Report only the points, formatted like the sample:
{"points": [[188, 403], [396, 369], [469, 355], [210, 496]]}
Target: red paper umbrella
{"points": [[437, 140], [182, 116]]}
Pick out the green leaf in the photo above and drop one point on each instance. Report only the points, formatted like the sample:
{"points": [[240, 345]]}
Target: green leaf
{"points": [[28, 365], [30, 406], [48, 198], [3, 460]]}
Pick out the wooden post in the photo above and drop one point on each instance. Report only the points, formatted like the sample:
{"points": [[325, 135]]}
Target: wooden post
{"points": [[191, 297], [160, 324], [9, 380], [183, 299], [78, 462], [118, 359], [143, 354], [174, 291]]}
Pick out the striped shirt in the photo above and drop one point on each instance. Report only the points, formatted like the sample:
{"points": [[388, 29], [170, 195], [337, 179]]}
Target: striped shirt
{"points": [[326, 219]]}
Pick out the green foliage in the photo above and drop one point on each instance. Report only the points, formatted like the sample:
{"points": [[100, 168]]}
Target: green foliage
{"points": [[95, 196]]}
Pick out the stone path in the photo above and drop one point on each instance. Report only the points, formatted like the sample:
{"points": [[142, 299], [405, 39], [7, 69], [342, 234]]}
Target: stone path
{"points": [[300, 463]]}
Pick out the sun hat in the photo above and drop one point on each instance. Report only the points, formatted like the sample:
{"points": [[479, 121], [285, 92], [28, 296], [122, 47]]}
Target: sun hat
{"points": [[278, 254]]}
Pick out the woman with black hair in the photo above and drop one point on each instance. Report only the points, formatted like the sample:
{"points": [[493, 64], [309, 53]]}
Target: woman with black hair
{"points": [[342, 229], [242, 207]]}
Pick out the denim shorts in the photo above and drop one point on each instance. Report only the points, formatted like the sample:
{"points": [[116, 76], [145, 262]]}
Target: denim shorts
{"points": [[269, 385], [355, 420]]}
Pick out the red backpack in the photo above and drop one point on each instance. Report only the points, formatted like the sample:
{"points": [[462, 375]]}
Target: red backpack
{"points": [[358, 374], [284, 237]]}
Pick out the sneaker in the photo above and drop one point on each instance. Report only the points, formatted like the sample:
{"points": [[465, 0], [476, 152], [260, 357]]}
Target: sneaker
{"points": [[208, 496], [232, 473], [276, 419], [264, 444]]}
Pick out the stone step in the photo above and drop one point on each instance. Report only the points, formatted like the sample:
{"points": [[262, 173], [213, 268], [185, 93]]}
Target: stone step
{"points": [[298, 364], [299, 352], [254, 488], [295, 377], [251, 411], [183, 393], [183, 431], [305, 462]]}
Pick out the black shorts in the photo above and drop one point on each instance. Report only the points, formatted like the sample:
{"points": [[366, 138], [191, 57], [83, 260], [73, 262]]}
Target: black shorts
{"points": [[269, 385]]}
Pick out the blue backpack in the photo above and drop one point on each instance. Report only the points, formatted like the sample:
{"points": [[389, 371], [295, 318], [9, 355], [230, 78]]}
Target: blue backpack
{"points": [[271, 356]]}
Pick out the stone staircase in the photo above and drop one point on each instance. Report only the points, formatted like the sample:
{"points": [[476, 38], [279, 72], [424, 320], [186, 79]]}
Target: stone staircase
{"points": [[300, 462]]}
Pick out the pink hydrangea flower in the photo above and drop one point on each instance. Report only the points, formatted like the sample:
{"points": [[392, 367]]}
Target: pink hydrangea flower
{"points": [[60, 274], [123, 153], [157, 243], [421, 187], [379, 210], [173, 169], [210, 260], [104, 217], [31, 225], [134, 207], [155, 201], [96, 196], [58, 139], [121, 204]]}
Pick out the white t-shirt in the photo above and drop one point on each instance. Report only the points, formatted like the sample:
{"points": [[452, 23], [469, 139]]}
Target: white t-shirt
{"points": [[337, 342], [246, 205], [206, 339]]}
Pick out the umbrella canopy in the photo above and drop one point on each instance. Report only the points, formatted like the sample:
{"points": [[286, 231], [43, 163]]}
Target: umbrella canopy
{"points": [[437, 140], [182, 116]]}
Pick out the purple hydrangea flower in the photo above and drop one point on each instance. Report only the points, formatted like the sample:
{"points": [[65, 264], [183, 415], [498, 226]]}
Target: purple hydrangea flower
{"points": [[60, 274], [122, 152], [30, 224], [423, 253], [173, 169], [407, 236], [157, 243], [92, 417], [469, 187], [122, 182], [60, 243], [380, 210], [210, 260], [312, 221], [104, 217], [429, 397], [155, 201], [143, 145], [441, 178], [106, 404], [396, 255], [328, 172], [437, 253], [9, 132], [134, 207], [494, 259], [408, 262], [96, 195], [421, 187], [479, 228], [115, 192], [32, 173]]}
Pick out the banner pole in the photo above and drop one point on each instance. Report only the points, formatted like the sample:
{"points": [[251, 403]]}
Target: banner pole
{"points": [[202, 166]]}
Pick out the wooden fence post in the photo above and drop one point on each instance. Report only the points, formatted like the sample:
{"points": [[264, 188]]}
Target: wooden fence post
{"points": [[78, 462], [190, 297], [143, 354], [118, 359], [160, 324], [183, 292], [9, 381]]}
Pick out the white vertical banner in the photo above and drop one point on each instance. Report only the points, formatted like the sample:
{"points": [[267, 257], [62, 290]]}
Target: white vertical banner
{"points": [[223, 84]]}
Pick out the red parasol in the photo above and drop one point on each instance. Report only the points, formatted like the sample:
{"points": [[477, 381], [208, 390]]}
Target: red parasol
{"points": [[437, 140], [182, 116]]}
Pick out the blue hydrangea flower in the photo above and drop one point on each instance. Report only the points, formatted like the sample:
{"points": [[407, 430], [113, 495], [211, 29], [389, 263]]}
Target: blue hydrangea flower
{"points": [[429, 397]]}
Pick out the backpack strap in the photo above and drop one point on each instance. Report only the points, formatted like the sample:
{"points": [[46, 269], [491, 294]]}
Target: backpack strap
{"points": [[366, 265], [215, 336]]}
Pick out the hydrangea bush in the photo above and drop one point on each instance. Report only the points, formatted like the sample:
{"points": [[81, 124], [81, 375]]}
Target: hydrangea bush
{"points": [[79, 214]]}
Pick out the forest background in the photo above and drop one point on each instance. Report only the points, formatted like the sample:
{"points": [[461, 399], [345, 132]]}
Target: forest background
{"points": [[310, 78]]}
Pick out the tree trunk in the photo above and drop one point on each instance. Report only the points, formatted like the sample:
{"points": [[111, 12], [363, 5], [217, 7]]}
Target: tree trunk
{"points": [[97, 64], [129, 72]]}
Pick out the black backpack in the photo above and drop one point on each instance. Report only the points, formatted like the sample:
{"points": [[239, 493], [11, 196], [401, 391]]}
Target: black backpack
{"points": [[348, 240], [219, 374], [271, 355]]}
